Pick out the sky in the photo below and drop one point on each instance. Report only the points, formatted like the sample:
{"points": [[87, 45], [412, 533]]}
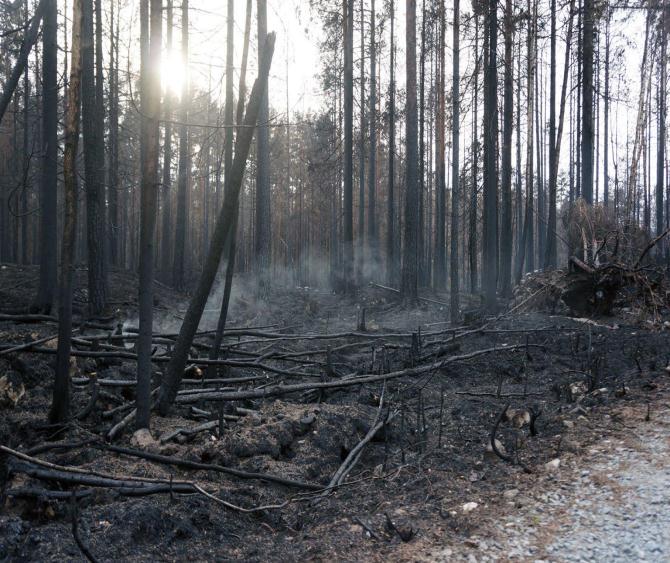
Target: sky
{"points": [[297, 55], [296, 49]]}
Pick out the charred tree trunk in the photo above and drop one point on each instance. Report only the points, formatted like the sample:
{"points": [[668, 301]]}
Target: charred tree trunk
{"points": [[348, 234], [409, 286], [661, 222], [149, 198], [222, 231], [490, 237], [113, 154], [166, 188], [506, 241], [392, 256], [184, 172], [439, 251], [587, 103], [60, 406], [93, 166], [454, 269], [263, 215], [49, 173], [373, 239], [550, 256]]}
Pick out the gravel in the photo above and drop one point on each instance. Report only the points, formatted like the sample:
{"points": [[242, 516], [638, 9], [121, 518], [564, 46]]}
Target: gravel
{"points": [[611, 505]]}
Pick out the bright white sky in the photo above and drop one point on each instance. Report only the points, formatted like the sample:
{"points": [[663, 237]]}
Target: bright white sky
{"points": [[297, 54]]}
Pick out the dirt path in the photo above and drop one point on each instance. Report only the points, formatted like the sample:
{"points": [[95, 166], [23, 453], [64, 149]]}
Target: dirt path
{"points": [[610, 504]]}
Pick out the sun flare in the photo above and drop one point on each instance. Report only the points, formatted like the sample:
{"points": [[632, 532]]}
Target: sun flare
{"points": [[173, 74]]}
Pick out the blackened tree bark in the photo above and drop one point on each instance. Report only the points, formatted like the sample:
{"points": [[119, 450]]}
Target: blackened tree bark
{"points": [[149, 199], [232, 245], [183, 174], [263, 196], [223, 229], [409, 286], [454, 269], [49, 173], [661, 222], [373, 242], [113, 148], [421, 245], [506, 241], [60, 406], [348, 171], [228, 110], [439, 252], [166, 188], [490, 235], [472, 215], [587, 102], [550, 256], [391, 251], [93, 166], [606, 177], [360, 254]]}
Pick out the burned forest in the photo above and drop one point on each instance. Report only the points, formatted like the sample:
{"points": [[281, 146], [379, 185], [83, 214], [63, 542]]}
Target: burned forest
{"points": [[334, 280]]}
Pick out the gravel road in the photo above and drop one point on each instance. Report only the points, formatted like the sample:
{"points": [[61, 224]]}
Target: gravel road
{"points": [[610, 505]]}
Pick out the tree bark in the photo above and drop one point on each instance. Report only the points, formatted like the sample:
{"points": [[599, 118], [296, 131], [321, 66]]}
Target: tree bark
{"points": [[149, 198], [60, 406], [91, 112], [373, 242], [348, 234], [587, 103], [490, 236], [184, 172], [49, 174], [409, 286], [506, 240], [222, 231], [166, 188], [439, 251], [454, 269], [263, 215]]}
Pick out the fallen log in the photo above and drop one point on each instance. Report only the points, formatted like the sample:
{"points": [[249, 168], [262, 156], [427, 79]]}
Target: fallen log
{"points": [[187, 464], [275, 390]]}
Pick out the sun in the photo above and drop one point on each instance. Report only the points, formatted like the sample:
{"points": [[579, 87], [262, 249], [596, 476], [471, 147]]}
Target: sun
{"points": [[173, 74]]}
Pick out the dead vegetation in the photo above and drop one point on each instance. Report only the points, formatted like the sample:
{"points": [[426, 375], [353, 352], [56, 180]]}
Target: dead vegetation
{"points": [[314, 433]]}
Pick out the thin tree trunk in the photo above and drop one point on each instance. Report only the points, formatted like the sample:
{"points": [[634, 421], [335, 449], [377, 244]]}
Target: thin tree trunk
{"points": [[184, 172], [149, 197], [472, 251], [113, 171], [93, 131], [392, 256], [166, 215], [440, 205], [490, 236], [360, 254], [263, 215], [587, 103], [348, 235], [662, 134], [373, 242], [222, 231], [409, 286], [506, 241], [454, 269], [49, 173], [60, 406]]}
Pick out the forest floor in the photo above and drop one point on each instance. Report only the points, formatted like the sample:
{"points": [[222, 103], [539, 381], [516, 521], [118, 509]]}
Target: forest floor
{"points": [[589, 483]]}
